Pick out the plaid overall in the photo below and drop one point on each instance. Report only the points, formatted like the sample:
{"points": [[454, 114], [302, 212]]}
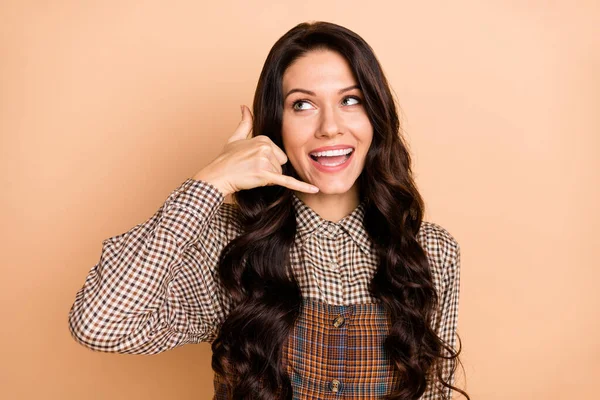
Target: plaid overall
{"points": [[336, 352]]}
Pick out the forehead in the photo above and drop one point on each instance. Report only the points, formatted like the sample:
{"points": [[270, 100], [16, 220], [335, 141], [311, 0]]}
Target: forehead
{"points": [[318, 68]]}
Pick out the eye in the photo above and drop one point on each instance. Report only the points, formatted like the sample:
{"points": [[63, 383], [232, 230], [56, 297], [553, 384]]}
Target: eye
{"points": [[299, 102], [354, 98]]}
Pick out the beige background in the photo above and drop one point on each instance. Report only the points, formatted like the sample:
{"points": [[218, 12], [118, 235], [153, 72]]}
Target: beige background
{"points": [[107, 106]]}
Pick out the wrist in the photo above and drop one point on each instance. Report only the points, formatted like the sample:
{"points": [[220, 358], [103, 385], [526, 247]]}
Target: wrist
{"points": [[218, 184]]}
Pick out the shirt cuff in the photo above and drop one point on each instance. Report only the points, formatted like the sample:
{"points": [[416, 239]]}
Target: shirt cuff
{"points": [[190, 208]]}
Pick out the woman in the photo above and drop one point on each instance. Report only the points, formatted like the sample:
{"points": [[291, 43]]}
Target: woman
{"points": [[321, 278]]}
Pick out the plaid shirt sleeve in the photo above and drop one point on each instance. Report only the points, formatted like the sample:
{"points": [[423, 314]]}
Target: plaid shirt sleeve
{"points": [[155, 286], [445, 253], [449, 311]]}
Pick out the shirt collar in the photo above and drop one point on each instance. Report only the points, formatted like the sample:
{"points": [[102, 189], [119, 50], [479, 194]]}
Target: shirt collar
{"points": [[309, 222]]}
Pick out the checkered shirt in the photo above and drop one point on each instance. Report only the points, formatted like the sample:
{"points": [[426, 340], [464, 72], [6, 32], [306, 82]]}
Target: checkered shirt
{"points": [[156, 287]]}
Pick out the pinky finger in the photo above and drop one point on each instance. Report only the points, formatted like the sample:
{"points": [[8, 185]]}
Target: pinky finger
{"points": [[291, 183]]}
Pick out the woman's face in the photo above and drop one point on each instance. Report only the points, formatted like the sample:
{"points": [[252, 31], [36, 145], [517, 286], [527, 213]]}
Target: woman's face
{"points": [[323, 108]]}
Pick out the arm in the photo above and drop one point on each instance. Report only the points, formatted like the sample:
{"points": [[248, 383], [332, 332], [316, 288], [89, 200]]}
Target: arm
{"points": [[155, 287], [443, 252], [449, 312]]}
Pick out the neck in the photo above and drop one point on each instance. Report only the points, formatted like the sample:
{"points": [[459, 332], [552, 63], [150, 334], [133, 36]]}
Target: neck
{"points": [[331, 207]]}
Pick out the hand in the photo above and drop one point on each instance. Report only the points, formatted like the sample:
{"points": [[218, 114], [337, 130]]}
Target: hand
{"points": [[247, 162]]}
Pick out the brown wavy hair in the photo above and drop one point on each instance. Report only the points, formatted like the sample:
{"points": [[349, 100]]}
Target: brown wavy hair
{"points": [[255, 267]]}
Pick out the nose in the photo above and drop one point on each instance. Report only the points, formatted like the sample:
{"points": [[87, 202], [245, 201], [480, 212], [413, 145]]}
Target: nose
{"points": [[330, 123]]}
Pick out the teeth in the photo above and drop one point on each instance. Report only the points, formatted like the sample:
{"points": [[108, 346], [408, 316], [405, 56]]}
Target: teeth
{"points": [[333, 164], [331, 153]]}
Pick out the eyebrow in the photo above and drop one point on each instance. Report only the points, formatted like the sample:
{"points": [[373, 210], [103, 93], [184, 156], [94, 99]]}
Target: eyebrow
{"points": [[313, 93]]}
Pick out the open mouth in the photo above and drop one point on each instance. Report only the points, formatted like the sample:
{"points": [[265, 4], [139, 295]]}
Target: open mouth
{"points": [[332, 158]]}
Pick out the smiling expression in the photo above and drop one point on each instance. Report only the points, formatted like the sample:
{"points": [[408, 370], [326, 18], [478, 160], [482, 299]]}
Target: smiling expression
{"points": [[323, 108]]}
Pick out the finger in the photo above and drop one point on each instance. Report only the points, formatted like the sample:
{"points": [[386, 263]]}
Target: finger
{"points": [[268, 162], [249, 136], [291, 183], [279, 154], [244, 128], [276, 155], [276, 167]]}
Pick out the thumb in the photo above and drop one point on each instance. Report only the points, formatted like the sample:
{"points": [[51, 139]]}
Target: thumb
{"points": [[244, 128]]}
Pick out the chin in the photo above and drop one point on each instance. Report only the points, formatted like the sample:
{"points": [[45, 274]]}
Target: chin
{"points": [[333, 188]]}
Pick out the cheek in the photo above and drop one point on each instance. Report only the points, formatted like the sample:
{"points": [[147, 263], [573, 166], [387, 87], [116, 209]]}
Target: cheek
{"points": [[360, 124], [369, 138], [293, 138], [365, 125], [290, 147], [365, 136]]}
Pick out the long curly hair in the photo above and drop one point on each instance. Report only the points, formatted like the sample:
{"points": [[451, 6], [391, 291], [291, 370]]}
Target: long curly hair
{"points": [[255, 268]]}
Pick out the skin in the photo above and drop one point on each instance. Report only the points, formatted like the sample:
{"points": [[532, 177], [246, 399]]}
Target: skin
{"points": [[324, 119]]}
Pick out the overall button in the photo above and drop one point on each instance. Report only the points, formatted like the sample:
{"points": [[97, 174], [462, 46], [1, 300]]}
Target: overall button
{"points": [[335, 386], [339, 321]]}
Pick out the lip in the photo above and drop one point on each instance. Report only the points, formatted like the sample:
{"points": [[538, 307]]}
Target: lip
{"points": [[336, 147], [324, 168]]}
